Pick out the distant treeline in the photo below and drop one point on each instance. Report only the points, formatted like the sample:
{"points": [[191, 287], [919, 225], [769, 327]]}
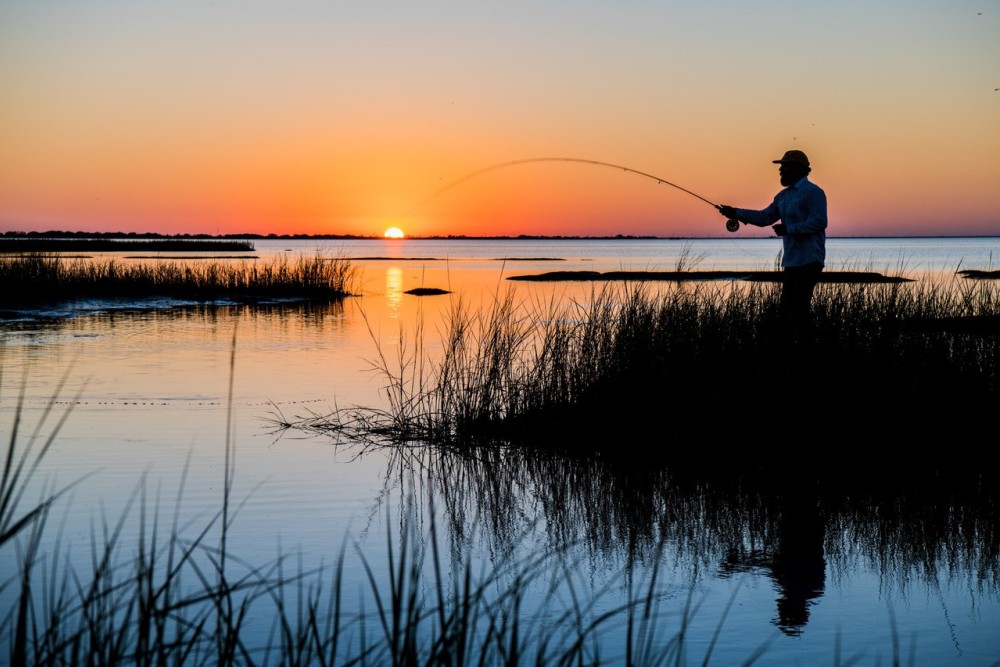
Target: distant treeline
{"points": [[294, 237], [43, 244], [154, 235]]}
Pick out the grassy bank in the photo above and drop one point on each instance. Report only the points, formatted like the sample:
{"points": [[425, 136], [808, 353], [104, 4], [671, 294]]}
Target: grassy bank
{"points": [[698, 362], [33, 279]]}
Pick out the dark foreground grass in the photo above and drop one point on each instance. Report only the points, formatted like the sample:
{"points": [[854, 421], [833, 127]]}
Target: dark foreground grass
{"points": [[668, 368], [33, 279], [694, 363], [177, 595]]}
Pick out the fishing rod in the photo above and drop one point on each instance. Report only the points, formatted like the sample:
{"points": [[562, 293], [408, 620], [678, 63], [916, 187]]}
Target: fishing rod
{"points": [[732, 224]]}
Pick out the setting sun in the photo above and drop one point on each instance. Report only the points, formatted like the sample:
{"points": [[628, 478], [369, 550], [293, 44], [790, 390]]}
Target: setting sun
{"points": [[394, 233]]}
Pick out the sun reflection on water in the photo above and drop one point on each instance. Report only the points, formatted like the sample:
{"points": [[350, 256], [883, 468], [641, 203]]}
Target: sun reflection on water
{"points": [[394, 291]]}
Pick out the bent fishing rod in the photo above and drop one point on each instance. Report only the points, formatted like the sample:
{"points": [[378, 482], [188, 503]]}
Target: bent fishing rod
{"points": [[732, 224]]}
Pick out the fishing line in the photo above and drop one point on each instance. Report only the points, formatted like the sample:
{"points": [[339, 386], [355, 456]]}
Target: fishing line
{"points": [[732, 225]]}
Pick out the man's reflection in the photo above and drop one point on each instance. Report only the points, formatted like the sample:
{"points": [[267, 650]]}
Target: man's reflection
{"points": [[798, 566], [795, 561]]}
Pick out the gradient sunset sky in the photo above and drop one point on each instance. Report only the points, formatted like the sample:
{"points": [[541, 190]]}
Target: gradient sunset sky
{"points": [[346, 117]]}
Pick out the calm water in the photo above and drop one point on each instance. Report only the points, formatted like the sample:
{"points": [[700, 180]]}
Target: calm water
{"points": [[150, 396]]}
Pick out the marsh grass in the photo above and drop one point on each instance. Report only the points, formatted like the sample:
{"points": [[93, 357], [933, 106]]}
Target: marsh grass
{"points": [[176, 595], [677, 364], [513, 372], [33, 279]]}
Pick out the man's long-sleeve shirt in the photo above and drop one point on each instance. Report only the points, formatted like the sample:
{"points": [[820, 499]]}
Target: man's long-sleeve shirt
{"points": [[802, 209]]}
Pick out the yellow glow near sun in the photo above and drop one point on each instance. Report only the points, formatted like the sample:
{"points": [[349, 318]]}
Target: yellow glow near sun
{"points": [[394, 233]]}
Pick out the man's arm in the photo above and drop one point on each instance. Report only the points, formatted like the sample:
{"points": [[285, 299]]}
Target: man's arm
{"points": [[761, 218]]}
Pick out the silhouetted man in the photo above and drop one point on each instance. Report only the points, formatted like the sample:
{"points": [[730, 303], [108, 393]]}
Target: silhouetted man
{"points": [[801, 210]]}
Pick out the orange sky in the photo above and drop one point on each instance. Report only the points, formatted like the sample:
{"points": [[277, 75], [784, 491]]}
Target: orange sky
{"points": [[313, 117]]}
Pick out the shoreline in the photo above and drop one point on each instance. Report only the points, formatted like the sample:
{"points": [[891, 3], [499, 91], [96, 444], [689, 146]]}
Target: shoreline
{"points": [[681, 276]]}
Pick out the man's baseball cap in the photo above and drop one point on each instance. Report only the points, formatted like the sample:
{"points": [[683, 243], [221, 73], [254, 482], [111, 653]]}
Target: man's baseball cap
{"points": [[798, 157]]}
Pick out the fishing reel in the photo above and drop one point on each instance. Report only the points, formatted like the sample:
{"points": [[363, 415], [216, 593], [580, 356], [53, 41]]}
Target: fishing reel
{"points": [[732, 225]]}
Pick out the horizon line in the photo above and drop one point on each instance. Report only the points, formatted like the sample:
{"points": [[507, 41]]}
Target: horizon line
{"points": [[436, 237]]}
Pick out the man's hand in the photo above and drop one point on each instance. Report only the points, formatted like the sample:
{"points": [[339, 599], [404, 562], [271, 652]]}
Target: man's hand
{"points": [[727, 211], [779, 229]]}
